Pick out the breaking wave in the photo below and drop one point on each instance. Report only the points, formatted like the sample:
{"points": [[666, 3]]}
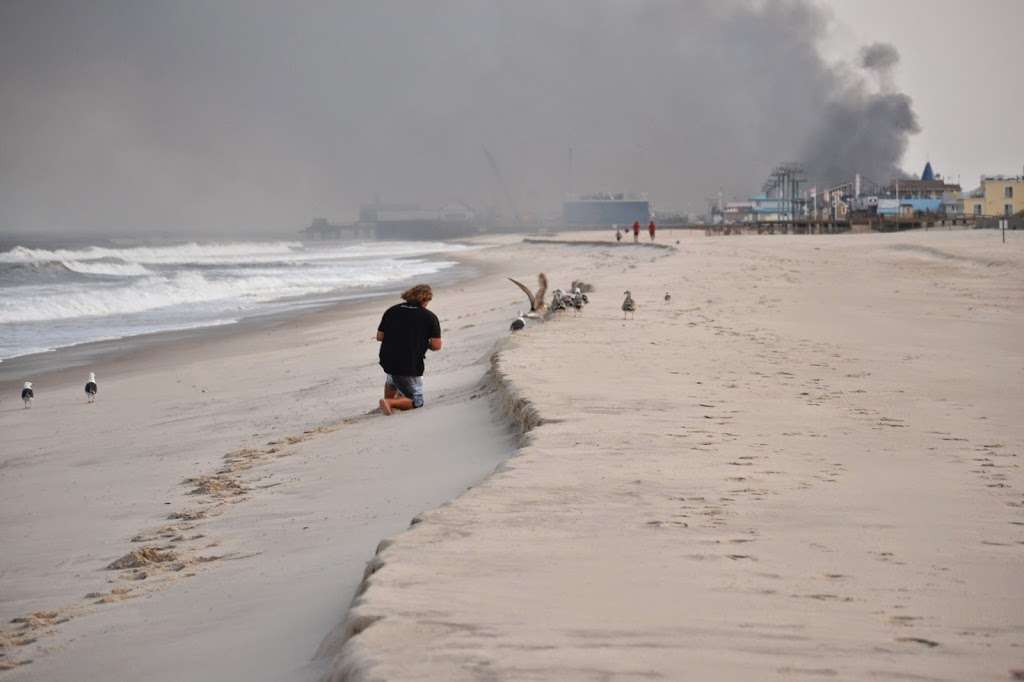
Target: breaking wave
{"points": [[59, 297], [194, 288], [194, 253]]}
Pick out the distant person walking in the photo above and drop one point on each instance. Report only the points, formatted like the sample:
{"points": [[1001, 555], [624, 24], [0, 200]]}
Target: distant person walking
{"points": [[650, 230], [406, 332], [636, 231]]}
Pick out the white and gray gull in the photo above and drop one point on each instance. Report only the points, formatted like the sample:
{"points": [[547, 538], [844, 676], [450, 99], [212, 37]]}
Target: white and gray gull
{"points": [[91, 389], [27, 394], [628, 305], [578, 300], [558, 300]]}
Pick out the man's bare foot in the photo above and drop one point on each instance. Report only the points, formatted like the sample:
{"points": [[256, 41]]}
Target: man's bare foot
{"points": [[384, 407]]}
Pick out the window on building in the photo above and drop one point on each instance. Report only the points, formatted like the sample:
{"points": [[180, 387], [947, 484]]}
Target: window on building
{"points": [[1008, 192], [1008, 209], [977, 209]]}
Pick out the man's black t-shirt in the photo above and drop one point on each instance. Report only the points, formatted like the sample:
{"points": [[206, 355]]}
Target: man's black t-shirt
{"points": [[407, 330]]}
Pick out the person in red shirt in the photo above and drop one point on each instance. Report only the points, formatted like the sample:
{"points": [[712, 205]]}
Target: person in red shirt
{"points": [[636, 231], [650, 230]]}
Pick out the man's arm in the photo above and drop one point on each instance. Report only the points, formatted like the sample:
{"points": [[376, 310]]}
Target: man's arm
{"points": [[380, 336], [434, 339]]}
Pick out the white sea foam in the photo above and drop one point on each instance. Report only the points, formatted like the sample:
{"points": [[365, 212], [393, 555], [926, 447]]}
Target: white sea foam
{"points": [[227, 253], [58, 297], [107, 268], [193, 288], [191, 252]]}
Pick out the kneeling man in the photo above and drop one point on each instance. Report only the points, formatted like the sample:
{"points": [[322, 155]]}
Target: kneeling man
{"points": [[406, 332]]}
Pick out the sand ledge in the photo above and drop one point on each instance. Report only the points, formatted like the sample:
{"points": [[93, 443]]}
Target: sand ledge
{"points": [[347, 663], [738, 526]]}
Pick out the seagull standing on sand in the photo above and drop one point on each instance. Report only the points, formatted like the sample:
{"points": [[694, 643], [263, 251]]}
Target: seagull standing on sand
{"points": [[518, 323], [27, 394], [628, 305], [557, 300], [578, 299], [91, 388]]}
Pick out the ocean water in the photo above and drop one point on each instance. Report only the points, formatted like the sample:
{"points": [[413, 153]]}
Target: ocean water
{"points": [[57, 297]]}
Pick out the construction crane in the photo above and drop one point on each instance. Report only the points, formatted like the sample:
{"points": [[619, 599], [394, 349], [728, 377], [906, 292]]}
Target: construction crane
{"points": [[501, 183]]}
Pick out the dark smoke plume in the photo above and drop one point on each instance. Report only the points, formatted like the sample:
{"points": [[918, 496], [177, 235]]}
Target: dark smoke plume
{"points": [[880, 61], [861, 129], [879, 57], [237, 114]]}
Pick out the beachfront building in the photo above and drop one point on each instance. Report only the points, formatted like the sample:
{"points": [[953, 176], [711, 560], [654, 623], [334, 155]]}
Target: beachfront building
{"points": [[928, 186], [998, 195], [929, 194], [410, 221], [605, 209], [734, 212], [757, 209]]}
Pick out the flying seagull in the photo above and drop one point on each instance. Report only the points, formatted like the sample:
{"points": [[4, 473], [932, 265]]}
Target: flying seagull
{"points": [[628, 305], [536, 299], [27, 394], [91, 388]]}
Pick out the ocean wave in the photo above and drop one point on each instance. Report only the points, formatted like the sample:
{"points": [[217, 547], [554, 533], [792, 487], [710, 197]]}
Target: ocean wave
{"points": [[29, 270], [191, 252], [232, 292], [40, 273], [226, 253], [110, 269], [54, 298]]}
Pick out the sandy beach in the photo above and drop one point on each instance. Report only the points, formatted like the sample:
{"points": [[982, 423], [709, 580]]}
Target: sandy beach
{"points": [[803, 466], [806, 466], [249, 458]]}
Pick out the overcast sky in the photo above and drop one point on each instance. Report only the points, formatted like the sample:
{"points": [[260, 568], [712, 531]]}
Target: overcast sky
{"points": [[238, 115]]}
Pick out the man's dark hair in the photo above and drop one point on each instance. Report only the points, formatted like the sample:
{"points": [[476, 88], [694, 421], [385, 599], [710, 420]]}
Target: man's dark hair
{"points": [[419, 294]]}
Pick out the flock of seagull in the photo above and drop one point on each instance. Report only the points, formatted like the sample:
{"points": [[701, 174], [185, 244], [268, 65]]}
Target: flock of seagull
{"points": [[28, 394], [562, 301]]}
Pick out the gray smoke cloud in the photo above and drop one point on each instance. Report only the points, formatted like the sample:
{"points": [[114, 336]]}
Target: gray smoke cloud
{"points": [[880, 61], [863, 128], [238, 115], [879, 57]]}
